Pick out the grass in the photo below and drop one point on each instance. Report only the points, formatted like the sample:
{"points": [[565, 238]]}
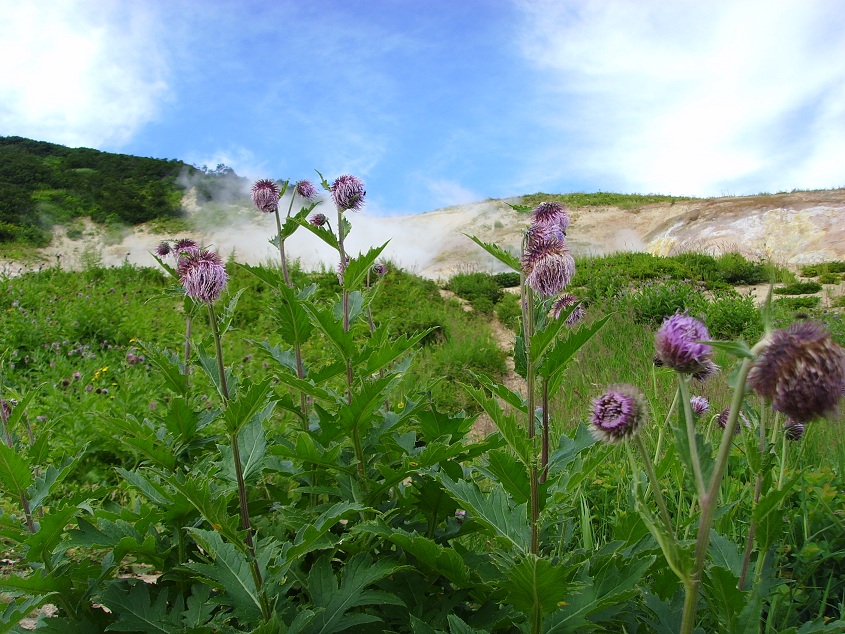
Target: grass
{"points": [[602, 199]]}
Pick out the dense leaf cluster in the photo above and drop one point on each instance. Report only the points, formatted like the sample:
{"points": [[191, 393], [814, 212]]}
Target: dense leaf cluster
{"points": [[43, 183]]}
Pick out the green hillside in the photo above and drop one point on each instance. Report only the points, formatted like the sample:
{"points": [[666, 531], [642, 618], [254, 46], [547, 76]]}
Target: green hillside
{"points": [[42, 184]]}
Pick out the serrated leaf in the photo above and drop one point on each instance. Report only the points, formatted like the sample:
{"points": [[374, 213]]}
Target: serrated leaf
{"points": [[738, 349], [250, 403], [504, 468], [15, 472], [568, 448], [198, 607], [293, 323], [494, 509], [535, 583], [324, 319], [136, 613], [507, 424], [170, 369], [225, 319], [336, 599], [564, 349], [725, 553], [50, 531], [722, 593], [324, 233], [499, 253], [180, 420], [209, 364], [365, 401], [43, 484], [212, 504], [607, 584], [229, 571], [459, 626], [358, 268], [355, 306], [309, 537], [252, 446], [37, 583], [18, 609], [380, 352]]}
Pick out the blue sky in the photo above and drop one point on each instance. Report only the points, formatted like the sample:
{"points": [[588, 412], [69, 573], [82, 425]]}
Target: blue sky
{"points": [[441, 102]]}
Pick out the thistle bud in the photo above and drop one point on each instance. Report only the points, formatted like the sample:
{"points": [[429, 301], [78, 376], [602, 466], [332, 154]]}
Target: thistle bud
{"points": [[617, 414], [348, 193], [677, 344], [265, 195]]}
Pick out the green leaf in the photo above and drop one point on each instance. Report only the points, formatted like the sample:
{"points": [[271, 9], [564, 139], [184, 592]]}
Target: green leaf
{"points": [[555, 362], [230, 572], [336, 599], [293, 323], [738, 349], [608, 582], [535, 583], [724, 599], [250, 403], [310, 536], [568, 449], [725, 553], [37, 583], [228, 316], [209, 364], [15, 473], [507, 424], [504, 468], [181, 421], [211, 503], [170, 369], [285, 358], [324, 233], [365, 402], [357, 269], [252, 446], [136, 613], [381, 352], [459, 626], [51, 529], [141, 437], [49, 478], [493, 509], [499, 253], [18, 609], [324, 320], [198, 607]]}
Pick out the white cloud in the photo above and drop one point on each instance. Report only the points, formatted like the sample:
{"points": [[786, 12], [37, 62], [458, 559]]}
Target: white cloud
{"points": [[693, 98], [445, 193], [83, 73]]}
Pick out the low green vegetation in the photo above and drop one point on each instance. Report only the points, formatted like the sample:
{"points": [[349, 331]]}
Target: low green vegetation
{"points": [[799, 288], [601, 199]]}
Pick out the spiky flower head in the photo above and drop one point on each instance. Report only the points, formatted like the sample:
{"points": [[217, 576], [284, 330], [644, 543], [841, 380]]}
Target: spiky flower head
{"points": [[618, 413], [318, 220], [548, 268], [182, 244], [265, 195], [163, 248], [202, 274], [794, 430], [348, 193], [700, 405], [379, 269], [677, 344], [306, 189], [5, 409], [742, 421], [552, 214], [801, 371], [565, 301]]}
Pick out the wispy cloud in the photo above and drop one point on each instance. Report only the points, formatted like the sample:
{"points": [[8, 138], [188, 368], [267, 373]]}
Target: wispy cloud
{"points": [[83, 73], [696, 98]]}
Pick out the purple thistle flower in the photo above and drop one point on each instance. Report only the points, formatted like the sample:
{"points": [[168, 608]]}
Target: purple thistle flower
{"points": [[306, 189], [183, 243], [793, 430], [676, 343], [552, 214], [548, 268], [202, 275], [379, 269], [348, 193], [617, 414], [565, 301], [265, 195], [5, 409], [722, 419], [318, 220], [163, 248], [801, 371], [700, 405]]}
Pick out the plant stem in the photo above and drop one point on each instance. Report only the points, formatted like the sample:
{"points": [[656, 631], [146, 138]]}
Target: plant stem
{"points": [[655, 485], [188, 322], [708, 501], [758, 486], [664, 425], [683, 393], [239, 473], [533, 471], [544, 451]]}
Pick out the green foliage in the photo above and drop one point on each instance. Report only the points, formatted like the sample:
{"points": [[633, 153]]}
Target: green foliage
{"points": [[507, 280], [815, 270], [799, 288], [480, 289], [798, 303], [601, 199], [42, 184]]}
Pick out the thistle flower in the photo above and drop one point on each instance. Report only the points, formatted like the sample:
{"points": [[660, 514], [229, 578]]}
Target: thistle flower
{"points": [[552, 214], [306, 189], [548, 268], [163, 248], [5, 409], [265, 195], [318, 220], [182, 244], [379, 269], [565, 301], [793, 430], [202, 275], [677, 347], [700, 405], [722, 419], [617, 414], [348, 193], [801, 371]]}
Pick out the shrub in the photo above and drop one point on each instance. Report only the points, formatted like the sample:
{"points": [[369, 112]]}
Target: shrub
{"points": [[829, 278], [507, 280], [474, 286], [799, 288], [735, 269], [798, 303], [732, 316], [651, 303], [509, 311]]}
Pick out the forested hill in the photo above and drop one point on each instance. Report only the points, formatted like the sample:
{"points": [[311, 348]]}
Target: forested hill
{"points": [[42, 184]]}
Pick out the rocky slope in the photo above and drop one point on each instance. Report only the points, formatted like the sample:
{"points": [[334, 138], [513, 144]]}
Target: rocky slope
{"points": [[792, 229]]}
